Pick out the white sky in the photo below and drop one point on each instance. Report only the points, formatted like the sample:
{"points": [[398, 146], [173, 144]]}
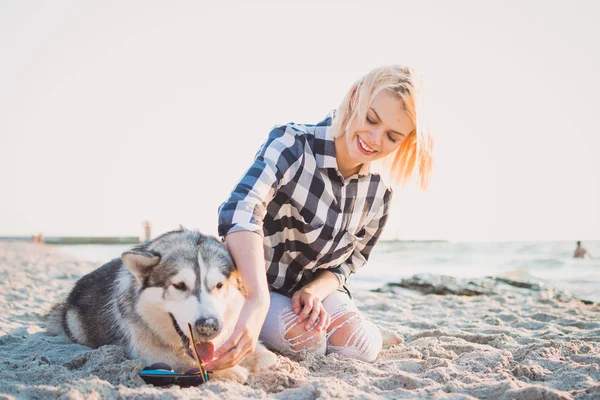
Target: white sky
{"points": [[116, 112]]}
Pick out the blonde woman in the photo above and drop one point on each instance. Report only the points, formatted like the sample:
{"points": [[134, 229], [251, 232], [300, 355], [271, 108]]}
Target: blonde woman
{"points": [[312, 206]]}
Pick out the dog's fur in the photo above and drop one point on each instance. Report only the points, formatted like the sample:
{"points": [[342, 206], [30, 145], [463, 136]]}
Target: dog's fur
{"points": [[141, 301]]}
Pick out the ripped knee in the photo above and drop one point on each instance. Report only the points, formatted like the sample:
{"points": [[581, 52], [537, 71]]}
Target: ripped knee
{"points": [[350, 335], [298, 338], [343, 328]]}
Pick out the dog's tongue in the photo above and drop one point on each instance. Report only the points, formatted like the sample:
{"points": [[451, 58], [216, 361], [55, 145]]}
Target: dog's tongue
{"points": [[205, 351]]}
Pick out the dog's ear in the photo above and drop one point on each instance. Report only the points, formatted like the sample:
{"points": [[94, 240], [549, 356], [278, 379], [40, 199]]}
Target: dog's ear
{"points": [[236, 278], [182, 228], [140, 262]]}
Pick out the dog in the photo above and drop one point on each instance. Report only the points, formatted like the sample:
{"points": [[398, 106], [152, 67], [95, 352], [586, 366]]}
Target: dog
{"points": [[145, 300]]}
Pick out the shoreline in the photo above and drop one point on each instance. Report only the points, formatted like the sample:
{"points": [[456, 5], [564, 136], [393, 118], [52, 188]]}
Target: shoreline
{"points": [[513, 344]]}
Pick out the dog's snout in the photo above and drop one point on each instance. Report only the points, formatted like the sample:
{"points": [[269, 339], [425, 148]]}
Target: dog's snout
{"points": [[208, 326]]}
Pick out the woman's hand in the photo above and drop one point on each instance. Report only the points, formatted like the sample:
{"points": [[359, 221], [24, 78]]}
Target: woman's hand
{"points": [[245, 336], [308, 307], [306, 302]]}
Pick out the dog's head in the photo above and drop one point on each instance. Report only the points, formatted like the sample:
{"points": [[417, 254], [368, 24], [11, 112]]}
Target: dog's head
{"points": [[189, 276]]}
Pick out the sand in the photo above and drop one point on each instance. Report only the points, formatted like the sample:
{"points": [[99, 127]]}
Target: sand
{"points": [[509, 344]]}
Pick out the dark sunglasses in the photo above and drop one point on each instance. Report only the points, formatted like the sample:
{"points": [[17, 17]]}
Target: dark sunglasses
{"points": [[161, 374]]}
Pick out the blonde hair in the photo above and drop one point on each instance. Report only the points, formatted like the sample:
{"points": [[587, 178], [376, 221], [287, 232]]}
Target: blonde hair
{"points": [[413, 158]]}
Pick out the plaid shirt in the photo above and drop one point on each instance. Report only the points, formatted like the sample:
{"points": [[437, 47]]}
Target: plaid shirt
{"points": [[309, 215]]}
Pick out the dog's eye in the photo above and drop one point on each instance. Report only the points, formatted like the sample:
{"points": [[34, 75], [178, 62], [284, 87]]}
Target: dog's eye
{"points": [[180, 286], [219, 285]]}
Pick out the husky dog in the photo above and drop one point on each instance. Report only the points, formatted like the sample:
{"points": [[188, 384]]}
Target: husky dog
{"points": [[145, 300]]}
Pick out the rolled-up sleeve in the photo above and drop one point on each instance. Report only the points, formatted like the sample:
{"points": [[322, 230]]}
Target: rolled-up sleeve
{"points": [[277, 159], [365, 245]]}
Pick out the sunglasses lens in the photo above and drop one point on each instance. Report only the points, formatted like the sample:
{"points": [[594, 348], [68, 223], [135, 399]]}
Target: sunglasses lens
{"points": [[162, 366]]}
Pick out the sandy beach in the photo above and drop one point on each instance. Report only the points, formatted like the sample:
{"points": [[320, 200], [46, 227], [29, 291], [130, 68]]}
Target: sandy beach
{"points": [[509, 344]]}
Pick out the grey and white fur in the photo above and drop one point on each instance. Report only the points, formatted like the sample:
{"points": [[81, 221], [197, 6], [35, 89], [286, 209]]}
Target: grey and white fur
{"points": [[144, 301]]}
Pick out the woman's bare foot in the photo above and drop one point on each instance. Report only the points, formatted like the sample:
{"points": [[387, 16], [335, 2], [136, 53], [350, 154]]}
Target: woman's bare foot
{"points": [[390, 338]]}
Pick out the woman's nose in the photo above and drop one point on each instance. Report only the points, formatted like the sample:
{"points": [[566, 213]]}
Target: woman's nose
{"points": [[375, 136]]}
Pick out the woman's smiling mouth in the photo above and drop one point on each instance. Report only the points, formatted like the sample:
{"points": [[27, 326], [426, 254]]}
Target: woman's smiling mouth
{"points": [[364, 147]]}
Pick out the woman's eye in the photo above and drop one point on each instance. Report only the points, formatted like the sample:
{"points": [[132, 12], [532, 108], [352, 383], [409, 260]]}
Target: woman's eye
{"points": [[180, 286], [219, 285], [391, 138], [370, 121]]}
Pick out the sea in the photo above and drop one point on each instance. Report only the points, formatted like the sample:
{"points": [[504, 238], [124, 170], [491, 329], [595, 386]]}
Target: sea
{"points": [[548, 263]]}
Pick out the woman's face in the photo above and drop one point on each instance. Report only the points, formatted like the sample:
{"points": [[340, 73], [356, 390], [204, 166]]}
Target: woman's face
{"points": [[385, 127]]}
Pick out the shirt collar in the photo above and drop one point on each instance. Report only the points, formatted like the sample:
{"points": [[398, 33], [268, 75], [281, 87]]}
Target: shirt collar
{"points": [[325, 145], [325, 155], [365, 169]]}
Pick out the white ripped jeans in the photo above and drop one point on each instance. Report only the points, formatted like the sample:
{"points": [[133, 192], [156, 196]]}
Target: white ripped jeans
{"points": [[349, 333]]}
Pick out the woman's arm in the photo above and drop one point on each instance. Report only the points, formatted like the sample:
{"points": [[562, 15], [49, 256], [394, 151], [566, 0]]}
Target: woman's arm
{"points": [[323, 284], [247, 251], [241, 222], [246, 248]]}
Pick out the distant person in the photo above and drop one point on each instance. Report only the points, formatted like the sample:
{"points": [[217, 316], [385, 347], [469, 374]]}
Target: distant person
{"points": [[580, 252], [147, 231]]}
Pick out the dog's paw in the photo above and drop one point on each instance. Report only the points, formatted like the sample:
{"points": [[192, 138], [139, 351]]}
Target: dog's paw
{"points": [[237, 373], [259, 359]]}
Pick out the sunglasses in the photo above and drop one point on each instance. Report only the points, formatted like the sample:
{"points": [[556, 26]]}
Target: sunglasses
{"points": [[161, 374]]}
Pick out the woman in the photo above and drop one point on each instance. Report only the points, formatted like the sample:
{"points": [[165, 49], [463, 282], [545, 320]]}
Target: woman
{"points": [[312, 207]]}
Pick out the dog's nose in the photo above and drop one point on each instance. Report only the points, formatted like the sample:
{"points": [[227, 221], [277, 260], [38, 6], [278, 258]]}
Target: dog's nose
{"points": [[208, 326]]}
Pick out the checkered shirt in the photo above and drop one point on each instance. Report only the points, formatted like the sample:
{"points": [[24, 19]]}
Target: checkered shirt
{"points": [[309, 216]]}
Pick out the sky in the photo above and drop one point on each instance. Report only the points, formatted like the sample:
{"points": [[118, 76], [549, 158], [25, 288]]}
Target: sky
{"points": [[115, 112]]}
